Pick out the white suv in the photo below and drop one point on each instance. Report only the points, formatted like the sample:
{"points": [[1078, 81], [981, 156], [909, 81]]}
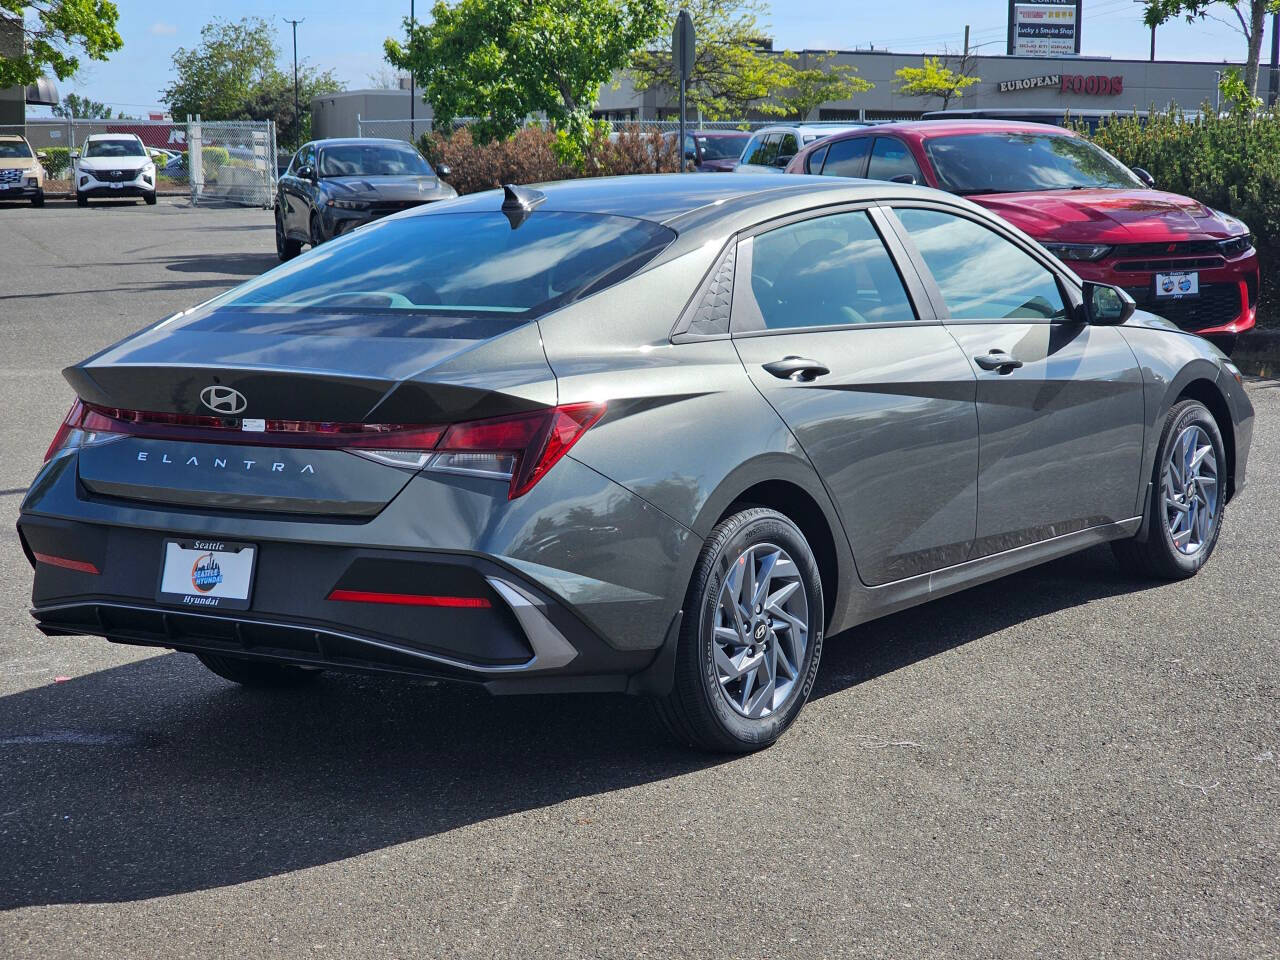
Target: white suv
{"points": [[114, 165], [771, 148]]}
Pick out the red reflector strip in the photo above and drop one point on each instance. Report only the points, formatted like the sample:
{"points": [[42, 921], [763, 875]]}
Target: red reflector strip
{"points": [[80, 566], [406, 599]]}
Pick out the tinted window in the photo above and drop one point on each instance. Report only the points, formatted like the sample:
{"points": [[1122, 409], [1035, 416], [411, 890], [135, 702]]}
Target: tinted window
{"points": [[14, 150], [1013, 162], [722, 148], [813, 163], [890, 158], [447, 266], [824, 272], [763, 150], [847, 158], [787, 147], [372, 160], [982, 275], [113, 148]]}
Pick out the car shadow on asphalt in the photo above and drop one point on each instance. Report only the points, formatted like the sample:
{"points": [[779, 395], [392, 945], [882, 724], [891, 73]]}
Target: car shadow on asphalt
{"points": [[156, 777]]}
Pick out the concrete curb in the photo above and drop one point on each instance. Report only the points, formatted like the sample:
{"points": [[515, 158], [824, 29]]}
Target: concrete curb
{"points": [[1257, 352]]}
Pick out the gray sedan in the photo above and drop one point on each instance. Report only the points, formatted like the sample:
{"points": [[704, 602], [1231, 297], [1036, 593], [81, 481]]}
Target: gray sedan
{"points": [[654, 435], [334, 186]]}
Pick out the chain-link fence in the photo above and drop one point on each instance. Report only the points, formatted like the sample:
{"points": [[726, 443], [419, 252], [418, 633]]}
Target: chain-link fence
{"points": [[226, 161]]}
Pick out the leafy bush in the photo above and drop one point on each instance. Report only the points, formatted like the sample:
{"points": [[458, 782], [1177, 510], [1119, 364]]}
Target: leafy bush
{"points": [[1229, 162], [530, 156], [56, 162]]}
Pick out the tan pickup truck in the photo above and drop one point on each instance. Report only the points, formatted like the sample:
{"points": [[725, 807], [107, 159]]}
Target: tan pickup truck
{"points": [[21, 174]]}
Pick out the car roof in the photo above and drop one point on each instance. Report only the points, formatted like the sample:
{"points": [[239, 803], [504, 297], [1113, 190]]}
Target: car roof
{"points": [[670, 197], [112, 136], [928, 129], [12, 136], [335, 141], [825, 129]]}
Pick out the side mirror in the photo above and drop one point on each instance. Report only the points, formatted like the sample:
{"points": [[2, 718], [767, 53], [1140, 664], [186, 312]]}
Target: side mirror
{"points": [[1105, 305], [782, 162], [41, 155], [908, 178], [1145, 177], [75, 154], [690, 155], [306, 172], [443, 170]]}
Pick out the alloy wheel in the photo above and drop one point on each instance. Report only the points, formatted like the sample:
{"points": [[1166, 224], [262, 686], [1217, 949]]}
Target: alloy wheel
{"points": [[1190, 485], [761, 631]]}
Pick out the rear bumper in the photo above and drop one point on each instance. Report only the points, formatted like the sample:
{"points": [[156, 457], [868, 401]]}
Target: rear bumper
{"points": [[565, 605]]}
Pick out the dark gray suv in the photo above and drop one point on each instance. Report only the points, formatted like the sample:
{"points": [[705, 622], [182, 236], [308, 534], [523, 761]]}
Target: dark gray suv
{"points": [[654, 435]]}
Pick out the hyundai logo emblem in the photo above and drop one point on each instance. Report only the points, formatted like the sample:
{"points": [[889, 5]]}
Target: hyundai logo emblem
{"points": [[761, 629], [223, 400]]}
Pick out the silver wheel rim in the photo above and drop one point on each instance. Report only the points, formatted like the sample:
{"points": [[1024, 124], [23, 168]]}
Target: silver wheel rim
{"points": [[1190, 487], [761, 631]]}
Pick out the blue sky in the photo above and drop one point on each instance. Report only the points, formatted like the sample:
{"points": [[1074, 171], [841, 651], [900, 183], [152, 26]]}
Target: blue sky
{"points": [[348, 37]]}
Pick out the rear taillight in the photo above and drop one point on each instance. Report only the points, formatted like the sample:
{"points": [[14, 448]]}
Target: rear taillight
{"points": [[519, 449]]}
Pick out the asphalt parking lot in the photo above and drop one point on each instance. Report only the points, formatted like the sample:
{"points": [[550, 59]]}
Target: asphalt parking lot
{"points": [[1064, 763]]}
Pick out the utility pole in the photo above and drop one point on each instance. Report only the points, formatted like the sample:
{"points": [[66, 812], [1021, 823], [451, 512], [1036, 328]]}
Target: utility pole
{"points": [[297, 107], [966, 41], [1153, 44], [413, 136]]}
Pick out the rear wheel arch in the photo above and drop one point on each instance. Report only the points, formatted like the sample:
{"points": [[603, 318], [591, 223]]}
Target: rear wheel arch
{"points": [[795, 503]]}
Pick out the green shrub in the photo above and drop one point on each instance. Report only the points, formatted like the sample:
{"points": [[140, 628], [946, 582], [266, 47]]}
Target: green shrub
{"points": [[1230, 163], [56, 162]]}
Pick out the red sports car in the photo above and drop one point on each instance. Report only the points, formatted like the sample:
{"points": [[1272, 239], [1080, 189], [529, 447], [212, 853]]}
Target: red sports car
{"points": [[1178, 258]]}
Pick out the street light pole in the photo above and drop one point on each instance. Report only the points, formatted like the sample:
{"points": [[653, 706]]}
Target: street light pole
{"points": [[297, 107], [413, 113]]}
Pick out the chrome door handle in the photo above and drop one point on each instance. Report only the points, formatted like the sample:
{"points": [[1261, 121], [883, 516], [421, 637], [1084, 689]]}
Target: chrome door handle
{"points": [[796, 368], [997, 360]]}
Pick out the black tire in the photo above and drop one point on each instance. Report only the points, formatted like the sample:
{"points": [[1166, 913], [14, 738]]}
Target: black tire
{"points": [[697, 711], [316, 237], [286, 249], [38, 199], [257, 673], [81, 200], [150, 198], [1157, 556]]}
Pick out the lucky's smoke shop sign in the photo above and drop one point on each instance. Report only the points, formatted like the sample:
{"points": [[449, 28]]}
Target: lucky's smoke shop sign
{"points": [[1044, 28], [1095, 85]]}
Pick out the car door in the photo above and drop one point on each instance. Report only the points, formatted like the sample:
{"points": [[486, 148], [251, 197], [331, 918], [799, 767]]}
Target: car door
{"points": [[877, 393], [846, 158], [1060, 406], [293, 187]]}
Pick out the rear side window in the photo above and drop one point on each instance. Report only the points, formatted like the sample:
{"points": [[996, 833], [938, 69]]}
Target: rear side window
{"points": [[982, 275], [424, 275], [828, 271], [890, 158], [847, 158], [813, 163], [787, 147]]}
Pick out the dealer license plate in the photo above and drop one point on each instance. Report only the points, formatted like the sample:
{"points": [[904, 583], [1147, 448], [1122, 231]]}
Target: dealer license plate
{"points": [[213, 574], [1178, 284]]}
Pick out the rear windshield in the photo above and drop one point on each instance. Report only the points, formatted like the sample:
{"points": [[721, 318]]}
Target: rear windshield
{"points": [[14, 150], [431, 275], [722, 148], [974, 163]]}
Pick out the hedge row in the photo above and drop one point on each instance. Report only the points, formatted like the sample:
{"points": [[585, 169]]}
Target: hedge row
{"points": [[1231, 163], [530, 157]]}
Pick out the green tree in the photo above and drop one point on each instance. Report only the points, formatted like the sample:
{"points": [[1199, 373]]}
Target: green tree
{"points": [[808, 89], [1236, 92], [734, 71], [933, 79], [233, 74], [52, 32], [81, 108], [504, 60], [1250, 19]]}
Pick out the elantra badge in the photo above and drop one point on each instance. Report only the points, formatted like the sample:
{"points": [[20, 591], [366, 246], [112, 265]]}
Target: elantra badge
{"points": [[223, 400]]}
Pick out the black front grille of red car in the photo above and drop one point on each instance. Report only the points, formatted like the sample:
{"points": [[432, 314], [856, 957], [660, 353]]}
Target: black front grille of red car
{"points": [[1184, 248], [1169, 266], [1217, 305]]}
